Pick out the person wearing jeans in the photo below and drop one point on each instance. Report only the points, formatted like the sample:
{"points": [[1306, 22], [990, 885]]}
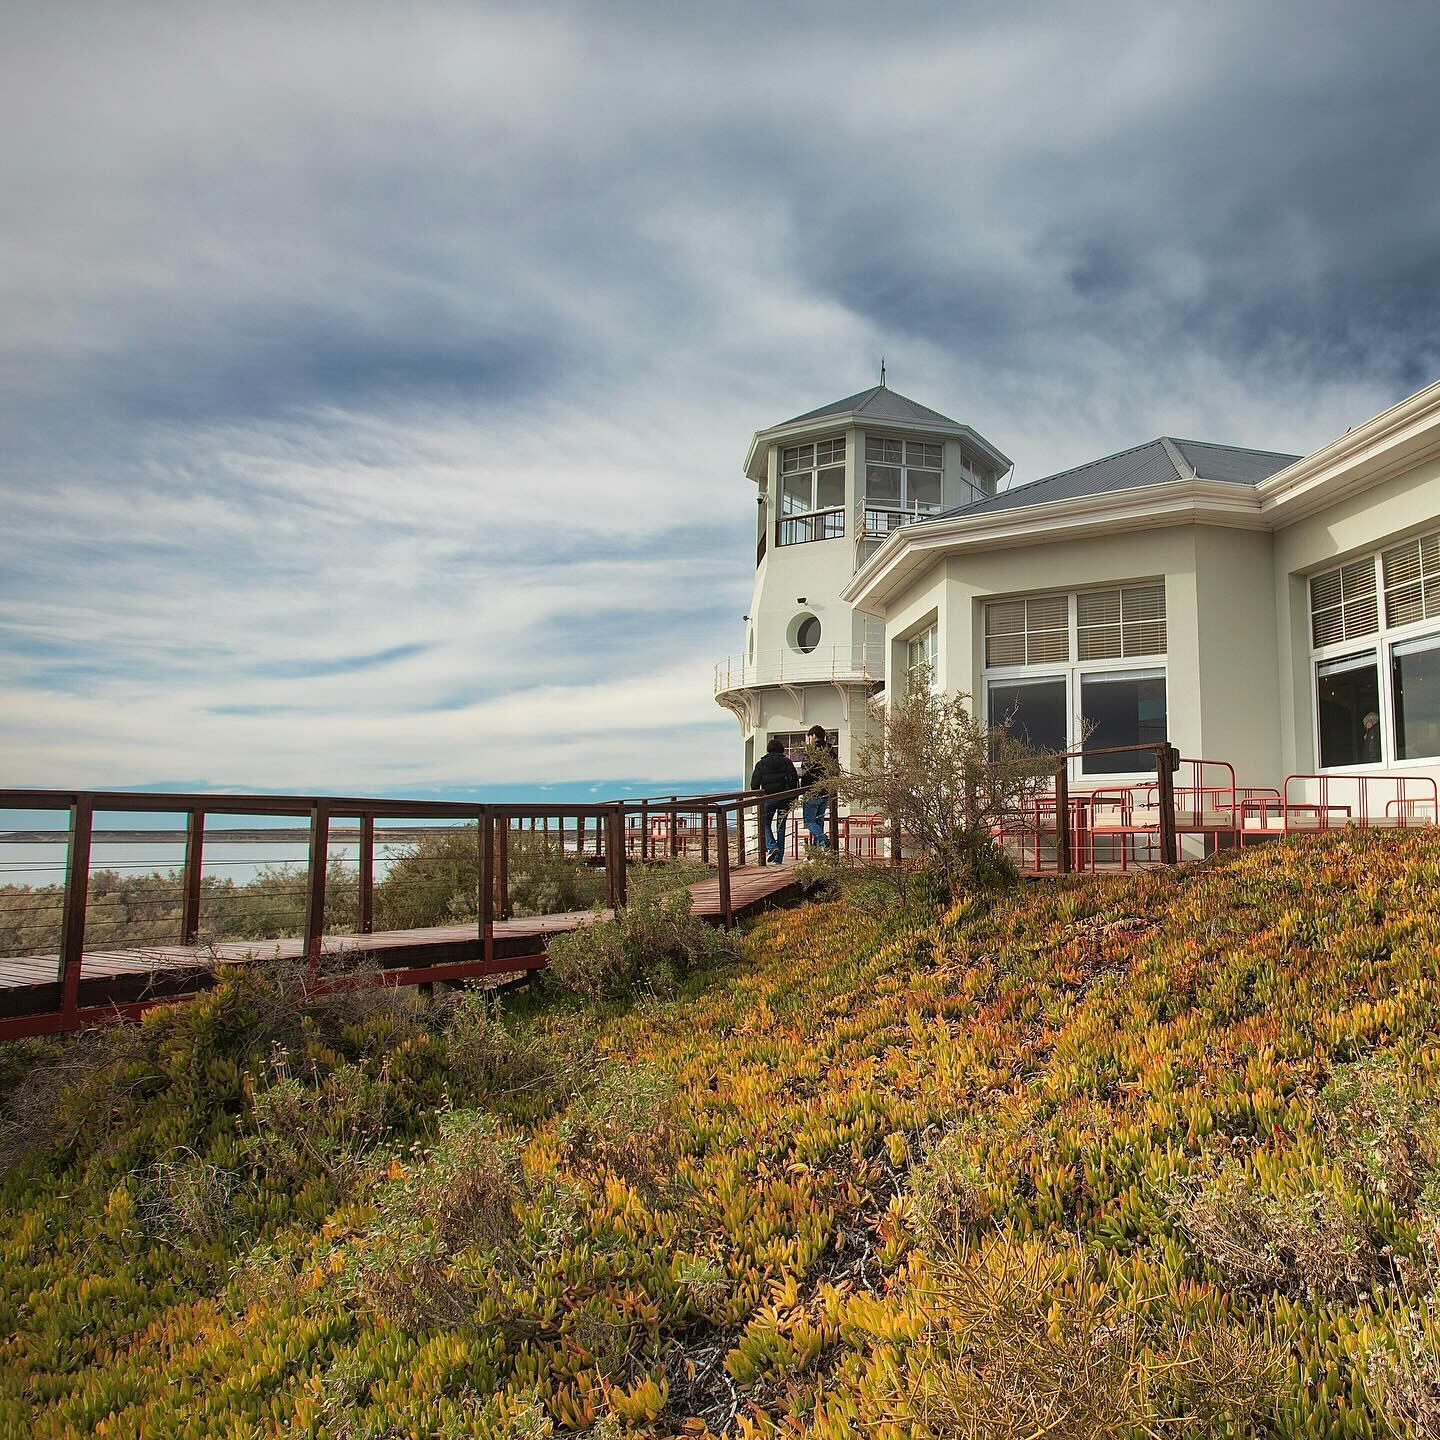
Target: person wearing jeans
{"points": [[821, 765], [774, 775]]}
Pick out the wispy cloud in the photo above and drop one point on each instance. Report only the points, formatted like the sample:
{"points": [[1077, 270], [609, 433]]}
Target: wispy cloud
{"points": [[374, 381]]}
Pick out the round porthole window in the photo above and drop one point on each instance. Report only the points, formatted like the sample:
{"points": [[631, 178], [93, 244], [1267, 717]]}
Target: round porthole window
{"points": [[804, 633]]}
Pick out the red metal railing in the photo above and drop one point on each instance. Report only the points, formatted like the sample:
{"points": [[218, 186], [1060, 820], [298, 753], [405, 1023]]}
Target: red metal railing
{"points": [[1367, 801]]}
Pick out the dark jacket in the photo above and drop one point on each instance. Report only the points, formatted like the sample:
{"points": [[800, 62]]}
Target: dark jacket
{"points": [[824, 766], [773, 773]]}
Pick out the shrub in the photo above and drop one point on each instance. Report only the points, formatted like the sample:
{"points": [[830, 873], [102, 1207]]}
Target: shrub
{"points": [[1408, 1376], [1033, 1343], [650, 945], [1384, 1135], [484, 1055], [436, 880], [1305, 1246], [460, 1198], [327, 1128], [186, 1199], [592, 961], [819, 873], [623, 1124], [949, 780], [948, 1196]]}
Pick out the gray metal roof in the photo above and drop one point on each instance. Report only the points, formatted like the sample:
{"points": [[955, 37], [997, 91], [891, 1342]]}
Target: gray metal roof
{"points": [[1148, 464], [878, 403]]}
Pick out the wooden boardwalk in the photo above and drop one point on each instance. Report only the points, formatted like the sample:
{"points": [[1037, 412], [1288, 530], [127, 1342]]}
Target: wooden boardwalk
{"points": [[29, 984]]}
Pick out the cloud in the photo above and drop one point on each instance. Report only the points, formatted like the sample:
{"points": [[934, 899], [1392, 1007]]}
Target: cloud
{"points": [[375, 381]]}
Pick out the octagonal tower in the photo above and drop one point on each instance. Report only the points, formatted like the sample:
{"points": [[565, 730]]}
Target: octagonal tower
{"points": [[830, 486]]}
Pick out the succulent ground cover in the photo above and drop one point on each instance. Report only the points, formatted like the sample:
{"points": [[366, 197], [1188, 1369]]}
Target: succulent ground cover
{"points": [[1141, 1156]]}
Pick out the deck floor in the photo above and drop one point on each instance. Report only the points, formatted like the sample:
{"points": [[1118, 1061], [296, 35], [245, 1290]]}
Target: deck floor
{"points": [[29, 984]]}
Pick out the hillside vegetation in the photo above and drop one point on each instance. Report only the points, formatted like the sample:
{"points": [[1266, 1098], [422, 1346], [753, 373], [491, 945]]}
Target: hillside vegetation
{"points": [[1147, 1156]]}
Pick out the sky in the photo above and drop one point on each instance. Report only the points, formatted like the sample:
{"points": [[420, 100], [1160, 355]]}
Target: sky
{"points": [[375, 380]]}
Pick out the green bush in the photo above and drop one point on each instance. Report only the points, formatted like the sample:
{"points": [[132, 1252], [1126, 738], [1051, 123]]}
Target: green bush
{"points": [[650, 945], [623, 1123], [459, 1200]]}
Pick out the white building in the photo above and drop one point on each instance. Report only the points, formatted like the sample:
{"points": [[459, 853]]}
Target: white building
{"points": [[830, 486], [1254, 607]]}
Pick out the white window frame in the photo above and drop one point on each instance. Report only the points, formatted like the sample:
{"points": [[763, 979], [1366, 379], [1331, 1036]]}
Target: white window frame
{"points": [[904, 467], [818, 522], [933, 631], [1073, 671], [1381, 643]]}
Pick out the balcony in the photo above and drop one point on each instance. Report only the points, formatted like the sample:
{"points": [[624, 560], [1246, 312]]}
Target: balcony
{"points": [[816, 525], [861, 664], [873, 522]]}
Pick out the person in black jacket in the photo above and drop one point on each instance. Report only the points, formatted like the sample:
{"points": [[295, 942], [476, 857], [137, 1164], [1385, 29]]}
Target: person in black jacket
{"points": [[821, 765], [774, 774]]}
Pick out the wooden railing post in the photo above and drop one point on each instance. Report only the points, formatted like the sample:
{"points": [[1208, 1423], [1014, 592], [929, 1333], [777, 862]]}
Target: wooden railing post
{"points": [[194, 860], [605, 833], [77, 897], [1165, 787], [1062, 818], [704, 836], [740, 833], [486, 840], [315, 883], [580, 838], [644, 829], [620, 857], [674, 827], [366, 900], [502, 863], [722, 851]]}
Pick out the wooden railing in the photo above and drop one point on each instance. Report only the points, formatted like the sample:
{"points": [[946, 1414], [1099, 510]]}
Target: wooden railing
{"points": [[607, 834]]}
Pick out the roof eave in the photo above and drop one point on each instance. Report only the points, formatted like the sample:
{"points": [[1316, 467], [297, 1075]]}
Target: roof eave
{"points": [[914, 548], [846, 419], [1363, 456]]}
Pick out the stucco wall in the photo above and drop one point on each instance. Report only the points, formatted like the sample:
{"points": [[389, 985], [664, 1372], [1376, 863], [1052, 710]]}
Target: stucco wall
{"points": [[1239, 683], [1217, 599]]}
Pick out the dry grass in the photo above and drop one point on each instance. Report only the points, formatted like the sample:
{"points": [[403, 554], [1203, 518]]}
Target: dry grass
{"points": [[1302, 1246], [1031, 1344]]}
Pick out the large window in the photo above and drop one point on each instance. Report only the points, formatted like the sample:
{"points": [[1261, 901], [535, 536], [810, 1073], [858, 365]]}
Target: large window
{"points": [[1347, 697], [903, 474], [1027, 632], [1378, 703], [1121, 708], [1035, 710], [812, 492], [1050, 672], [1415, 683]]}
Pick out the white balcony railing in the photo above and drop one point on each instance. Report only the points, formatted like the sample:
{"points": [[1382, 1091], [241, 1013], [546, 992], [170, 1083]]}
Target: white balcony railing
{"points": [[857, 664], [874, 522]]}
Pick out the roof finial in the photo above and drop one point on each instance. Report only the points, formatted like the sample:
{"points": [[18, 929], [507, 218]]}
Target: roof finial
{"points": [[882, 372]]}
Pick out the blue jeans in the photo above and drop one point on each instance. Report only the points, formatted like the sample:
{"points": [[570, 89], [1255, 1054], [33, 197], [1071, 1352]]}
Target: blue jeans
{"points": [[776, 814], [813, 810]]}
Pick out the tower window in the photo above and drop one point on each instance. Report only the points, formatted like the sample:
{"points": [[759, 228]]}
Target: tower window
{"points": [[903, 474], [812, 492]]}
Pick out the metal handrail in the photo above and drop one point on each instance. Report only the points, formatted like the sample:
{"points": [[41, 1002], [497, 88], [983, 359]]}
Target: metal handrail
{"points": [[862, 663]]}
